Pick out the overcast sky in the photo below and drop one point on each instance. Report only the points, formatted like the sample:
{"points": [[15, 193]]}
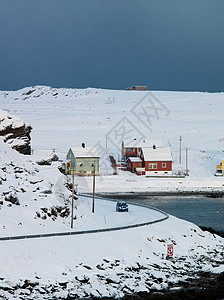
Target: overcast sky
{"points": [[166, 45]]}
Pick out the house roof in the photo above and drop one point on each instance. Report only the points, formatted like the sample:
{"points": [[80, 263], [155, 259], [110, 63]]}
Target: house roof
{"points": [[134, 159], [158, 154], [85, 152], [143, 143]]}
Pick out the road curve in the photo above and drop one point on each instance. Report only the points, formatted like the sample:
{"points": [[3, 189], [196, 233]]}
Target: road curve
{"points": [[67, 233]]}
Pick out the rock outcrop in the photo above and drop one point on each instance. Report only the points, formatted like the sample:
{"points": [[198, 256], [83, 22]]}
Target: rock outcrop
{"points": [[16, 132]]}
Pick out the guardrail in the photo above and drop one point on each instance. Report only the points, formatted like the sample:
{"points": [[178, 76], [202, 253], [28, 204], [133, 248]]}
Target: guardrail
{"points": [[31, 236]]}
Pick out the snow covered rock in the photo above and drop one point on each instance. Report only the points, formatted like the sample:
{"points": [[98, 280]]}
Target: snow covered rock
{"points": [[16, 133], [47, 161]]}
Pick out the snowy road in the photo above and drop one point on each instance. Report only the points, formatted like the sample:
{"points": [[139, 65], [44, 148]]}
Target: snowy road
{"points": [[136, 217]]}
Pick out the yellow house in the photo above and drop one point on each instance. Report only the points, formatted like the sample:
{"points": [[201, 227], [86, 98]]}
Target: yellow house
{"points": [[220, 169]]}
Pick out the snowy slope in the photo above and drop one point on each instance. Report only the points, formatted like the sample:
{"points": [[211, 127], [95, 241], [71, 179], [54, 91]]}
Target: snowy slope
{"points": [[35, 199], [62, 118], [108, 264]]}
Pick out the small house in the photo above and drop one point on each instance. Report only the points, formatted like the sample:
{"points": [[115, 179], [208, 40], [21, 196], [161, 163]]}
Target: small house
{"points": [[133, 149], [82, 161], [220, 169], [133, 163], [137, 88], [156, 160]]}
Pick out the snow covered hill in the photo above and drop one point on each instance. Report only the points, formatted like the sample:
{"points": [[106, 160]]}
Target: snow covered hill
{"points": [[62, 118], [35, 198], [110, 263]]}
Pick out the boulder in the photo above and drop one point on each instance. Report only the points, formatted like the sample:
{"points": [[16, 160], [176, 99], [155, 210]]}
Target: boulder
{"points": [[16, 132]]}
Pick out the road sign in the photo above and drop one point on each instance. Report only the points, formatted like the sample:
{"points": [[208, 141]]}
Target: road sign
{"points": [[170, 250]]}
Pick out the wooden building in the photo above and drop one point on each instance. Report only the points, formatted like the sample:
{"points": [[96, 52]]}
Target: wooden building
{"points": [[137, 88], [156, 161], [133, 163], [82, 160], [133, 149]]}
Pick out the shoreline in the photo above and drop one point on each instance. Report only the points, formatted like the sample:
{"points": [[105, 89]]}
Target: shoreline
{"points": [[116, 196], [206, 286], [210, 194]]}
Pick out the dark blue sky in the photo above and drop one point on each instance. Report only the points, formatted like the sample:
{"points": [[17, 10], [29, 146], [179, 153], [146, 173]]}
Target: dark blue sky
{"points": [[166, 45]]}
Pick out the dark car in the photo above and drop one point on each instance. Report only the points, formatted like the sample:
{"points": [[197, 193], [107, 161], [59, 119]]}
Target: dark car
{"points": [[121, 206]]}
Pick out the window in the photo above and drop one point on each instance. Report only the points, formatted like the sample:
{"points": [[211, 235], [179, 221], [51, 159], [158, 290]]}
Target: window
{"points": [[152, 166], [164, 165]]}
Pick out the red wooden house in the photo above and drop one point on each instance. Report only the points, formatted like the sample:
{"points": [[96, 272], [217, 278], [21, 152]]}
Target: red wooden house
{"points": [[133, 149], [133, 163], [156, 160]]}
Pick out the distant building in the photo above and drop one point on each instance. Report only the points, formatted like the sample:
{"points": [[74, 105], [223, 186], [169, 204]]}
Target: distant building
{"points": [[133, 149], [133, 163], [156, 161], [121, 165], [147, 158], [82, 160], [220, 169], [137, 88]]}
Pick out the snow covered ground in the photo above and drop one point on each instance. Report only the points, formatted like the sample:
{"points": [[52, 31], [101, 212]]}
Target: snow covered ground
{"points": [[62, 118], [108, 264], [36, 198]]}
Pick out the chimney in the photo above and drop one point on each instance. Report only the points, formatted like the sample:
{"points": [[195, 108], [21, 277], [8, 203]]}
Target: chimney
{"points": [[83, 145], [154, 146]]}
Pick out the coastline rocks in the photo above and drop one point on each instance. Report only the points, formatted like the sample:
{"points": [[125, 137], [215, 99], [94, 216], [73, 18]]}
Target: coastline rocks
{"points": [[16, 133]]}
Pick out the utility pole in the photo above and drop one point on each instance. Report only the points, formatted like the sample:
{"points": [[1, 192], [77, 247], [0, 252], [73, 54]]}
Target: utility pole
{"points": [[180, 148], [122, 151], [106, 142], [73, 180], [187, 161], [94, 170]]}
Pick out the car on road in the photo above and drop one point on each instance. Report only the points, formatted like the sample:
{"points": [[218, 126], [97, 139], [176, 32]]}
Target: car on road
{"points": [[121, 206]]}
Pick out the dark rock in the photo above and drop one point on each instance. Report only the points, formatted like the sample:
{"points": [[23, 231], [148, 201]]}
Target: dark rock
{"points": [[211, 230], [100, 267], [16, 130], [13, 199], [29, 92], [87, 267], [63, 284], [54, 157], [46, 192], [82, 280], [62, 169], [44, 162], [47, 161]]}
